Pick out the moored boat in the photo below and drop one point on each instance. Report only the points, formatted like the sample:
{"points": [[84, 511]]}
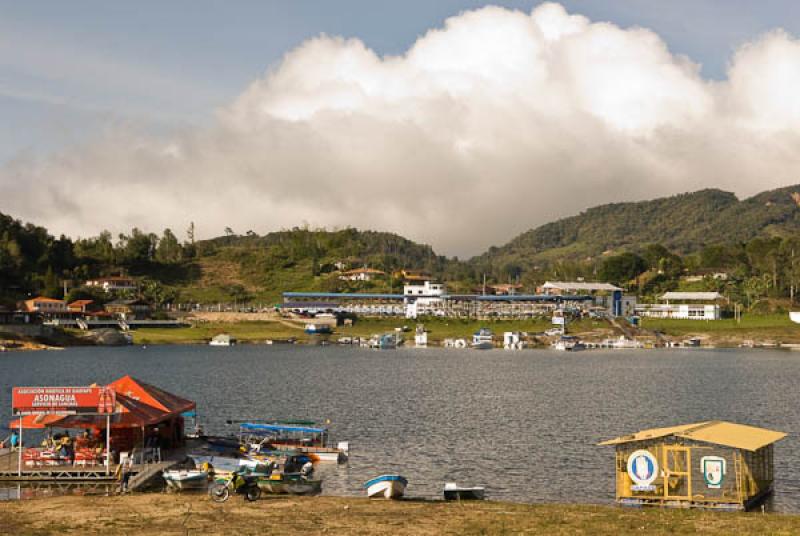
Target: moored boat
{"points": [[185, 479], [318, 329], [223, 339], [794, 316], [454, 492], [293, 484], [387, 486], [483, 339], [420, 337], [568, 343], [386, 341], [311, 441]]}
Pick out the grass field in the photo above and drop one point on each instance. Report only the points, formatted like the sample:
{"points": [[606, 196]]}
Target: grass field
{"points": [[196, 514], [776, 327], [438, 329]]}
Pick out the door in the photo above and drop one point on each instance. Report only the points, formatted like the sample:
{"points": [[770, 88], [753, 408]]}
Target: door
{"points": [[677, 472]]}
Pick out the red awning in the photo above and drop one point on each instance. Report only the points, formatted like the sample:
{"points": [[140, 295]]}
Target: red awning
{"points": [[138, 404]]}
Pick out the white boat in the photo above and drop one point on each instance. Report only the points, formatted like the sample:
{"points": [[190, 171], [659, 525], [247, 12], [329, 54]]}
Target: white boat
{"points": [[483, 339], [420, 337], [387, 486], [568, 344], [222, 339], [185, 479], [794, 316], [622, 343], [454, 492], [512, 340], [455, 343]]}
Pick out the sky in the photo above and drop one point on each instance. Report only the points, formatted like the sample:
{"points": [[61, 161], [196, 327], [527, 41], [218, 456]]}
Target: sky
{"points": [[451, 122]]}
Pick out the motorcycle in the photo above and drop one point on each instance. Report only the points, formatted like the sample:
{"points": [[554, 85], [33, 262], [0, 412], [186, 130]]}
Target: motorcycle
{"points": [[236, 482]]}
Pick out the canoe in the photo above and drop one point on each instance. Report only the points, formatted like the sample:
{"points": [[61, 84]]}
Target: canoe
{"points": [[387, 486], [453, 492]]}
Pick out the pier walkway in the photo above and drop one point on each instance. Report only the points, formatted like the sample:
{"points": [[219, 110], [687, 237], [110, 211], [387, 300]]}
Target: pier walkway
{"points": [[142, 473]]}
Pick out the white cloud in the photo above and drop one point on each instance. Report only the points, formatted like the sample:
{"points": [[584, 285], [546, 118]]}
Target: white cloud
{"points": [[494, 123]]}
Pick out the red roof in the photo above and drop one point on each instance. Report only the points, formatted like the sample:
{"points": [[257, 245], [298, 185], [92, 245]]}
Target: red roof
{"points": [[138, 404]]}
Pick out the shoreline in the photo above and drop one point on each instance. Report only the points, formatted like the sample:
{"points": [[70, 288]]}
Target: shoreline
{"points": [[285, 515], [769, 331]]}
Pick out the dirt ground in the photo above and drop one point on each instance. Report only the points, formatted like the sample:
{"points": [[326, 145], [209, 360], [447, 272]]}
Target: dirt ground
{"points": [[165, 514]]}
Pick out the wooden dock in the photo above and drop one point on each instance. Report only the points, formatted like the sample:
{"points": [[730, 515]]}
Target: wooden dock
{"points": [[142, 474]]}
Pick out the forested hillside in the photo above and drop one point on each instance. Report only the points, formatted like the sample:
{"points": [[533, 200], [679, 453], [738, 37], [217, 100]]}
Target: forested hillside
{"points": [[649, 245]]}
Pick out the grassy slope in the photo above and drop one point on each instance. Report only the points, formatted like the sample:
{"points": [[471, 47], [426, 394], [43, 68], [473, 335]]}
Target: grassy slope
{"points": [[259, 331], [195, 514], [775, 327]]}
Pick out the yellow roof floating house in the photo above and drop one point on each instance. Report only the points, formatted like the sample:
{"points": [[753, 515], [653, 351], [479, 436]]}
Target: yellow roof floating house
{"points": [[711, 464]]}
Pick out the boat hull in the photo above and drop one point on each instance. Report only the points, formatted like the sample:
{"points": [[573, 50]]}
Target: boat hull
{"points": [[290, 486], [186, 480], [464, 494], [386, 487], [794, 316]]}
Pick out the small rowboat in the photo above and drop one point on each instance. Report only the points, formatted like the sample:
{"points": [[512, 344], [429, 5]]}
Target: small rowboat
{"points": [[180, 480], [387, 486], [453, 492], [293, 484]]}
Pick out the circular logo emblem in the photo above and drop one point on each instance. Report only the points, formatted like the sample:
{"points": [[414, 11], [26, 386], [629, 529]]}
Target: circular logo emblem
{"points": [[642, 467]]}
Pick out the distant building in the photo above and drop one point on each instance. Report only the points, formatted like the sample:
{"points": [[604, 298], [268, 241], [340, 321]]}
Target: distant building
{"points": [[505, 289], [129, 309], [558, 288], [412, 275], [45, 305], [605, 295], [81, 306], [361, 274], [684, 305], [423, 297], [113, 284]]}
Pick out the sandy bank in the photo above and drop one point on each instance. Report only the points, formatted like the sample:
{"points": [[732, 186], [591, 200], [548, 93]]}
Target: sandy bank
{"points": [[195, 514]]}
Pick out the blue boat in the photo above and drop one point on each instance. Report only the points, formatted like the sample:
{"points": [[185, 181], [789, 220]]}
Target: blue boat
{"points": [[387, 486], [318, 329]]}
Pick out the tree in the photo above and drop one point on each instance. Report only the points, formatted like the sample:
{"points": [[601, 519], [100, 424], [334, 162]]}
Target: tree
{"points": [[168, 250], [51, 286], [622, 268], [155, 293], [139, 248]]}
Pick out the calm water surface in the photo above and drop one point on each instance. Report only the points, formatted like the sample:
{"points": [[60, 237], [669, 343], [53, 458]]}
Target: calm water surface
{"points": [[524, 424]]}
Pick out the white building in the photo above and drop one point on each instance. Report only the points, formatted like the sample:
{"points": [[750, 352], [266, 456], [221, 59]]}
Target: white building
{"points": [[424, 298], [112, 284], [361, 274], [684, 306]]}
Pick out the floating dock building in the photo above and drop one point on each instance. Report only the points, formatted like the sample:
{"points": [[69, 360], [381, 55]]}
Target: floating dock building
{"points": [[713, 464]]}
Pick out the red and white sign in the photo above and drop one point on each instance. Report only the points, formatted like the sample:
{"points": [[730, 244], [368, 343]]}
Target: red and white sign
{"points": [[62, 400]]}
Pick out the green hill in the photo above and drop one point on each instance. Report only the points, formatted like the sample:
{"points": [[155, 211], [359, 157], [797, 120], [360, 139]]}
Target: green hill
{"points": [[682, 223], [757, 238]]}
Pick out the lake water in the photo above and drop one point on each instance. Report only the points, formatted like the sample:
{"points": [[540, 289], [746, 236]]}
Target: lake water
{"points": [[525, 424]]}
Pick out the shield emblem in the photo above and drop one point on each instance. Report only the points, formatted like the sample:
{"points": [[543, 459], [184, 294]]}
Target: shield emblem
{"points": [[714, 469]]}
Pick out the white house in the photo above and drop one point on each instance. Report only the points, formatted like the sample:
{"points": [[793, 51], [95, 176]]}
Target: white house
{"points": [[684, 305], [361, 274], [112, 284]]}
